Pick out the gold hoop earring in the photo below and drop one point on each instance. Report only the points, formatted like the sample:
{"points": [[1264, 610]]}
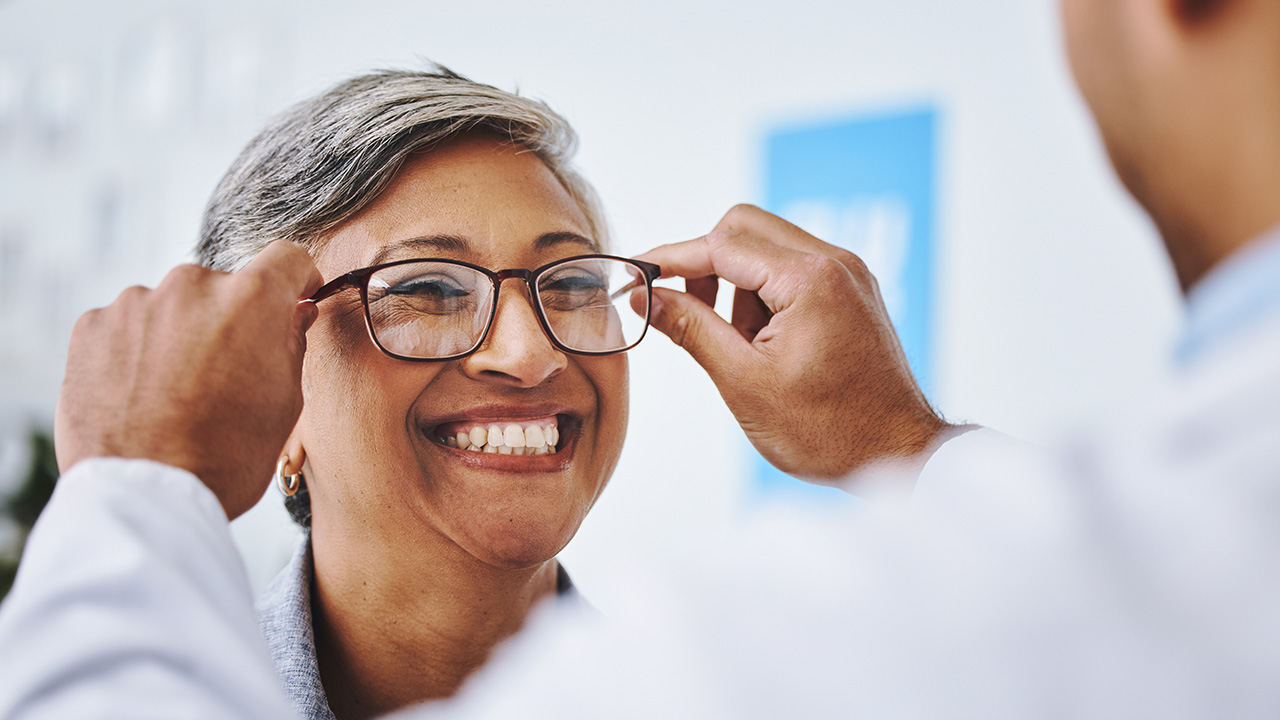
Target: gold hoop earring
{"points": [[289, 484]]}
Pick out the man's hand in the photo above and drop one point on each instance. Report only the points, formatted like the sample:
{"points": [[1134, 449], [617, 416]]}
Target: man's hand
{"points": [[810, 364], [203, 373]]}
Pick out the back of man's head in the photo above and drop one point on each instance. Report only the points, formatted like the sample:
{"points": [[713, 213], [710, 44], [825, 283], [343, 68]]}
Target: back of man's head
{"points": [[1186, 94]]}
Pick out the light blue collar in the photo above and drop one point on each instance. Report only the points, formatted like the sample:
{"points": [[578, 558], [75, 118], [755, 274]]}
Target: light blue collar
{"points": [[1234, 296]]}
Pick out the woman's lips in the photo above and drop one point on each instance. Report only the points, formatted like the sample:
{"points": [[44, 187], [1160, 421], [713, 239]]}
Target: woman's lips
{"points": [[530, 436]]}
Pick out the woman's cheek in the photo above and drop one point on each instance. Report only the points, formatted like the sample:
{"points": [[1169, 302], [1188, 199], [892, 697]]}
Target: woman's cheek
{"points": [[611, 380]]}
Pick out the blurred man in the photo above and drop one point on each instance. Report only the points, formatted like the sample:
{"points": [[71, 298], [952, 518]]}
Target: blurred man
{"points": [[1131, 575]]}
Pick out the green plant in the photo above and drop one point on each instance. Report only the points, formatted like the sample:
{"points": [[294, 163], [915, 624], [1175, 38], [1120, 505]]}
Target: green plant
{"points": [[25, 505]]}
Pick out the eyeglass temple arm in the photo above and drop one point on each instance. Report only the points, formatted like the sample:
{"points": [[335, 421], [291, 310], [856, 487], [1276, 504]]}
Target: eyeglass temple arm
{"points": [[651, 272], [333, 286]]}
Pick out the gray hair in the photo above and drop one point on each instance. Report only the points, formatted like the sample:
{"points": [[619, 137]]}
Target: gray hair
{"points": [[326, 159]]}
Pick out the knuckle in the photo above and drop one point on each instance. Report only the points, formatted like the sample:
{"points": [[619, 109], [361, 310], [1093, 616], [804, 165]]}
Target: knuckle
{"points": [[131, 296], [679, 334], [719, 237], [849, 260], [186, 275], [251, 284], [86, 322], [183, 279], [737, 215], [829, 273], [826, 266]]}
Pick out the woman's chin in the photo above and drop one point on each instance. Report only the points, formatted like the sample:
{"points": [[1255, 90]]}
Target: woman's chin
{"points": [[515, 543]]}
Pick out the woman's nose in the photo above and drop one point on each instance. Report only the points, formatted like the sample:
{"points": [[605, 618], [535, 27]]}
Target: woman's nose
{"points": [[517, 351]]}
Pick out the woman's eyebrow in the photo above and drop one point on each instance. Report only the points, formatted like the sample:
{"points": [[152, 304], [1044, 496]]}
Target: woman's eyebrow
{"points": [[416, 246], [434, 244], [550, 240]]}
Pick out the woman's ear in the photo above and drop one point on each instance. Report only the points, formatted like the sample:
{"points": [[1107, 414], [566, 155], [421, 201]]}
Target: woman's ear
{"points": [[293, 453]]}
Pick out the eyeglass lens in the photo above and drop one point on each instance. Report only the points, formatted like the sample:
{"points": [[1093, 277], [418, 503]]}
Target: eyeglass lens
{"points": [[432, 309]]}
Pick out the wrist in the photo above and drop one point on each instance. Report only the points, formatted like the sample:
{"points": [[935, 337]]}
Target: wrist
{"points": [[914, 432]]}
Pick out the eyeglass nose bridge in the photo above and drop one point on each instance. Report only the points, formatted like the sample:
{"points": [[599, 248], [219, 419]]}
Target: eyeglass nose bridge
{"points": [[527, 276], [518, 273]]}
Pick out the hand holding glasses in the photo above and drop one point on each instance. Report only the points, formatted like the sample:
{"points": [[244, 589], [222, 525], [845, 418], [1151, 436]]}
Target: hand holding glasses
{"points": [[436, 309]]}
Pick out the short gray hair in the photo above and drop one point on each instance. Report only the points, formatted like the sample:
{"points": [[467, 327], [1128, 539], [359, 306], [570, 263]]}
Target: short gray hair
{"points": [[324, 160]]}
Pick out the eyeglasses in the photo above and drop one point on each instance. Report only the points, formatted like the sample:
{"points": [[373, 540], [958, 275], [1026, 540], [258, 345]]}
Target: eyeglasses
{"points": [[443, 309]]}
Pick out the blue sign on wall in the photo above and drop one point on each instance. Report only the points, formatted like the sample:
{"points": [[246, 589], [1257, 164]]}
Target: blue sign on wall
{"points": [[866, 184]]}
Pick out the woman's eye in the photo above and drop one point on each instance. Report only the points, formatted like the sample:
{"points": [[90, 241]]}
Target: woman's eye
{"points": [[574, 290], [429, 289], [575, 283], [428, 295]]}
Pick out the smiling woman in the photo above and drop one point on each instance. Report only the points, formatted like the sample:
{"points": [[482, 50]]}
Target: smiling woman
{"points": [[465, 399]]}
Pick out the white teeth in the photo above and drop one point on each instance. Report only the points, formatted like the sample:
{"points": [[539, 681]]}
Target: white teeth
{"points": [[514, 436], [508, 439], [533, 437]]}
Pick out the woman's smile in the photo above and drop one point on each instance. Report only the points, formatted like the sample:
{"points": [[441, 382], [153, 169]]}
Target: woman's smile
{"points": [[509, 438], [505, 437]]}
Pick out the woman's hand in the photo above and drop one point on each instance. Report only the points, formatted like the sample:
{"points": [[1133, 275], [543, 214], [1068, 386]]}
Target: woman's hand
{"points": [[810, 364], [203, 373]]}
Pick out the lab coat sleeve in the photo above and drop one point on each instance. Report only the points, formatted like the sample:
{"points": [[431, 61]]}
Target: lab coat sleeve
{"points": [[968, 458], [131, 601]]}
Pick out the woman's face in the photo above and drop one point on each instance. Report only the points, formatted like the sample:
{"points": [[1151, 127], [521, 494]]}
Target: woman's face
{"points": [[372, 425]]}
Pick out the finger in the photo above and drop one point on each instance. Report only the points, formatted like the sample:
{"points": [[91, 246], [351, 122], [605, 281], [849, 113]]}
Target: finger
{"points": [[695, 326], [286, 265], [184, 278], [705, 289], [751, 220], [304, 315], [750, 314], [740, 259], [750, 263]]}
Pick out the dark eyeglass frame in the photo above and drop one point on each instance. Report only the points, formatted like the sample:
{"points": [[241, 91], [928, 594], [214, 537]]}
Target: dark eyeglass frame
{"points": [[360, 279]]}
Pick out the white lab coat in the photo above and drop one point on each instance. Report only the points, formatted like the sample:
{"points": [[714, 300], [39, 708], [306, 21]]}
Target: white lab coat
{"points": [[1133, 573]]}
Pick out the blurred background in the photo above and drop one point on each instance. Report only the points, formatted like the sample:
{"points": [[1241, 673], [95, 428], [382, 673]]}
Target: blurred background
{"points": [[942, 140]]}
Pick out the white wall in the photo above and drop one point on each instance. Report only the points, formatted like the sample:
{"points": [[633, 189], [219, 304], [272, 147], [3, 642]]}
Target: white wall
{"points": [[116, 119]]}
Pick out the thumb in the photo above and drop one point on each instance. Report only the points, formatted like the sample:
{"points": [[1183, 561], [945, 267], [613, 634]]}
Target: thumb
{"points": [[695, 326], [304, 315]]}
